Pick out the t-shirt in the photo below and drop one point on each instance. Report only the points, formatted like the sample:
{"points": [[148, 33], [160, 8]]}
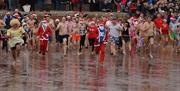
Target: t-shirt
{"points": [[82, 30], [173, 26], [92, 32], [158, 22], [114, 30]]}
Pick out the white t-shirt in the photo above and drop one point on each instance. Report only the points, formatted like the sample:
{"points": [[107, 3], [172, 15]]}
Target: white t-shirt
{"points": [[114, 29]]}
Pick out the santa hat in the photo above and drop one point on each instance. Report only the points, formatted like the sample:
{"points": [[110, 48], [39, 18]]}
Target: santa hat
{"points": [[57, 20], [34, 14], [101, 23], [91, 22], [44, 21], [68, 17], [134, 18], [172, 18], [81, 21]]}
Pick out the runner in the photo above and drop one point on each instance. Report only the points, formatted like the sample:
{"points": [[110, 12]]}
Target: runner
{"points": [[75, 34], [149, 29], [15, 34], [1, 30], [92, 33], [114, 35], [125, 37], [57, 21], [164, 30], [82, 31], [173, 30], [69, 25], [101, 42], [63, 36], [32, 22], [43, 34], [158, 21]]}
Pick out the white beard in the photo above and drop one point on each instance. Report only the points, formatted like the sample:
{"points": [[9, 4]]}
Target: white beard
{"points": [[44, 26]]}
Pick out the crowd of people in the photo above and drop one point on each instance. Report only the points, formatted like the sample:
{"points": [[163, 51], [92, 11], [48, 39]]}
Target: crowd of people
{"points": [[128, 6], [127, 34]]}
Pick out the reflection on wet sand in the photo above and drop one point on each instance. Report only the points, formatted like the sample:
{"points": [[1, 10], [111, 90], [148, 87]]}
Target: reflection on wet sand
{"points": [[83, 73]]}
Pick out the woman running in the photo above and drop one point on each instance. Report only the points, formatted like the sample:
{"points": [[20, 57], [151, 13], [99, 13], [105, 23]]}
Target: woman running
{"points": [[82, 31], [15, 34], [125, 37], [164, 30], [92, 33]]}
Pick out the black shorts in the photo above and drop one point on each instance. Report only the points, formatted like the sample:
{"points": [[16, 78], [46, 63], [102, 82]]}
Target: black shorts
{"points": [[60, 38], [82, 41], [126, 38], [91, 42]]}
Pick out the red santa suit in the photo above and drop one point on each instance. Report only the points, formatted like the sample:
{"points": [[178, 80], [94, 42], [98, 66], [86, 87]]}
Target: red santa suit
{"points": [[101, 42], [43, 33]]}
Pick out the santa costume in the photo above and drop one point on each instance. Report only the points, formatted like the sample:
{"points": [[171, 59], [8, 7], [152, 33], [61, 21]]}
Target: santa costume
{"points": [[43, 33], [101, 41]]}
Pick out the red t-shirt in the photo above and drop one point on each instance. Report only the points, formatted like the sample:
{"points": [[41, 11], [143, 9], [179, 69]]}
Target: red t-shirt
{"points": [[158, 22], [92, 32], [164, 29]]}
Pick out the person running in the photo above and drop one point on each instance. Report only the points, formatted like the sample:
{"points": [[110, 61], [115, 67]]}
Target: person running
{"points": [[15, 34], [92, 33], [33, 22], [173, 30], [51, 26], [56, 30], [69, 24], [133, 32], [149, 29], [178, 39], [114, 35], [63, 35], [82, 31], [75, 34], [43, 34], [158, 21], [125, 37], [164, 31], [102, 40], [1, 30]]}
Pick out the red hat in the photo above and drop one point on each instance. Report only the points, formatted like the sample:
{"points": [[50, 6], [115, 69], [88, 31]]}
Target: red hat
{"points": [[101, 23], [91, 22], [81, 21], [172, 18], [34, 14]]}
